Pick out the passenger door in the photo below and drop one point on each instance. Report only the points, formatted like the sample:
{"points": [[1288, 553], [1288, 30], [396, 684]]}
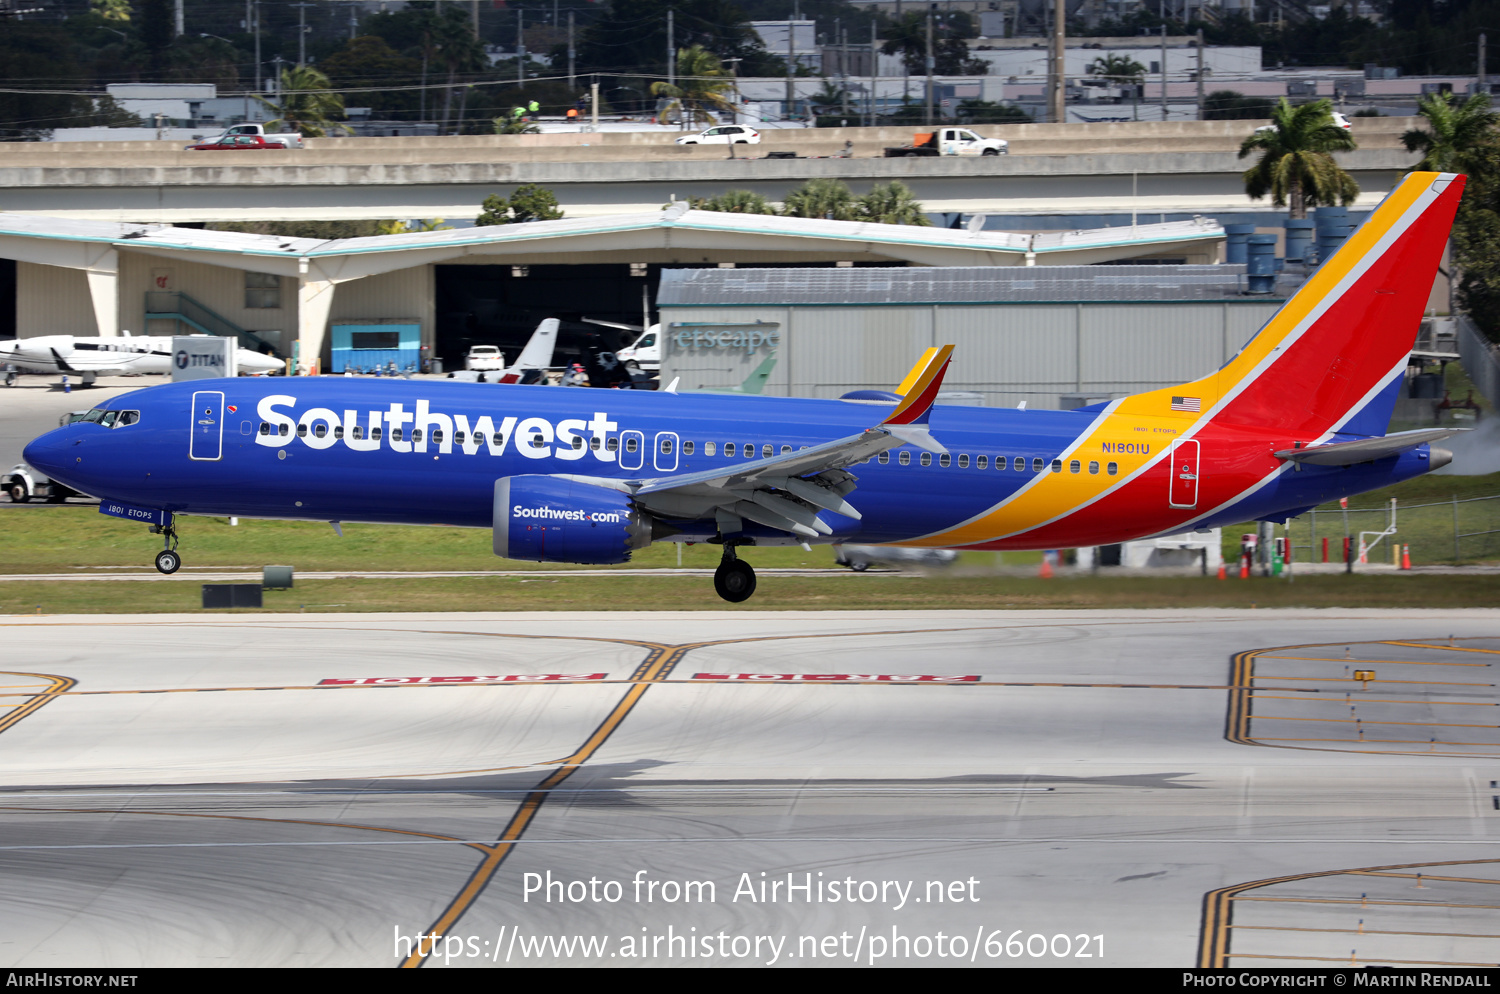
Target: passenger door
{"points": [[207, 425], [1184, 481]]}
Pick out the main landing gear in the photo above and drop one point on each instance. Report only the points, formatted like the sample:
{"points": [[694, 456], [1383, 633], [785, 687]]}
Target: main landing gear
{"points": [[167, 560], [734, 580]]}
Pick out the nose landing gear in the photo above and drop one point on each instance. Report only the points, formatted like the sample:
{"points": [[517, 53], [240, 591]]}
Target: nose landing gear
{"points": [[167, 560], [734, 580]]}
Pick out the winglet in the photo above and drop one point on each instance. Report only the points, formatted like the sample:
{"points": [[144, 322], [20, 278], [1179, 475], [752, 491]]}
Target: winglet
{"points": [[920, 388], [916, 371]]}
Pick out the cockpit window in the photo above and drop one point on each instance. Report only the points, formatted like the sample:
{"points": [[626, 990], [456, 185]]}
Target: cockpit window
{"points": [[111, 419]]}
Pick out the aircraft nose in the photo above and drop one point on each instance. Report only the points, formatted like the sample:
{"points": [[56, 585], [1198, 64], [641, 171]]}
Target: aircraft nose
{"points": [[53, 453]]}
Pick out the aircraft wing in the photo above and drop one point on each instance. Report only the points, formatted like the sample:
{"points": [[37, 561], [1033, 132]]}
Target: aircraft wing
{"points": [[1366, 449], [787, 490]]}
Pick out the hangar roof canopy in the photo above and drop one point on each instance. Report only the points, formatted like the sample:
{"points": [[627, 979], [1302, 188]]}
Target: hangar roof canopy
{"points": [[955, 285]]}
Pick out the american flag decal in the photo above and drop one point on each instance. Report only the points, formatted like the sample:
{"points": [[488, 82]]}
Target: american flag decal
{"points": [[1187, 404]]}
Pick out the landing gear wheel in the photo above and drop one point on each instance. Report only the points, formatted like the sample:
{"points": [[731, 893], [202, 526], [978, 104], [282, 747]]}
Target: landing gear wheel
{"points": [[858, 565], [168, 561], [734, 581], [19, 494]]}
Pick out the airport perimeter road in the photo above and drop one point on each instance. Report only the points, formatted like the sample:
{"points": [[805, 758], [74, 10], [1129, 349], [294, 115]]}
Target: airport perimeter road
{"points": [[907, 788]]}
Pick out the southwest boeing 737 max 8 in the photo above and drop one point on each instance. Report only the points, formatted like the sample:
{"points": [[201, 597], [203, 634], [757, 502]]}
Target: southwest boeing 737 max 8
{"points": [[586, 476]]}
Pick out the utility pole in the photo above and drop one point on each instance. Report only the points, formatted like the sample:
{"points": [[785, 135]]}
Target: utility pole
{"points": [[474, 8], [791, 63], [520, 46], [248, 22], [672, 50], [353, 22], [844, 67], [302, 32], [874, 68], [594, 101], [1200, 74], [259, 88], [571, 82], [1483, 78], [177, 19], [1058, 91], [931, 63], [1164, 70]]}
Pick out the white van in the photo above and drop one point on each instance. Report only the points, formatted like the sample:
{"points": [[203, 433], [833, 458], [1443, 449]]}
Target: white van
{"points": [[645, 351]]}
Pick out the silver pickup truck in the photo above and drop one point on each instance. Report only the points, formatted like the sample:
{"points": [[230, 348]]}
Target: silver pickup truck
{"points": [[289, 139]]}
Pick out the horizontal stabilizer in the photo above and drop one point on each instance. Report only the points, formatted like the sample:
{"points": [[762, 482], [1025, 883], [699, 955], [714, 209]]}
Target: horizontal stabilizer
{"points": [[1365, 449]]}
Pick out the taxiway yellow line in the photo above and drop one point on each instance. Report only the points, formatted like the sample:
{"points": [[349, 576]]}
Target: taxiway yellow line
{"points": [[56, 686], [1445, 648]]}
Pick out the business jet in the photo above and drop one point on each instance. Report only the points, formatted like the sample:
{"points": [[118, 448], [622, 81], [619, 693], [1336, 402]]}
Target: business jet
{"points": [[91, 357], [1296, 418]]}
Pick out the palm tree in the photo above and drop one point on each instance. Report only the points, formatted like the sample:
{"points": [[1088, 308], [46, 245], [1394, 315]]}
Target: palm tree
{"points": [[892, 203], [825, 198], [1296, 164], [701, 85], [1461, 138], [305, 104], [117, 11], [734, 202], [1120, 69]]}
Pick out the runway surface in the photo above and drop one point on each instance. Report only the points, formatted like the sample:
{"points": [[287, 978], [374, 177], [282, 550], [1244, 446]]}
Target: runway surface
{"points": [[1234, 788]]}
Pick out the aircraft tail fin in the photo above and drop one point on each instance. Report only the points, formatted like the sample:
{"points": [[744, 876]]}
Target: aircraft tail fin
{"points": [[756, 381], [538, 351], [1331, 359]]}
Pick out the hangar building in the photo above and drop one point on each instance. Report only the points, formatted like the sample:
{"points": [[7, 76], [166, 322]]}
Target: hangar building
{"points": [[1059, 336], [442, 291]]}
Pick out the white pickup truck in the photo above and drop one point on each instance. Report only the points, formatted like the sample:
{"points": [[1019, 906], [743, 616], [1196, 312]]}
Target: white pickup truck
{"points": [[949, 141], [290, 139]]}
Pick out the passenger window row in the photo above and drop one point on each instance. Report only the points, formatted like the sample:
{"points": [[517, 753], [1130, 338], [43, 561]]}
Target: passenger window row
{"points": [[903, 456]]}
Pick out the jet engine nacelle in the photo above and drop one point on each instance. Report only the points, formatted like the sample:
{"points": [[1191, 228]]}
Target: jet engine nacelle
{"points": [[549, 519]]}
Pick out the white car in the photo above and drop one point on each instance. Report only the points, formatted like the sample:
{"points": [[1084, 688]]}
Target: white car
{"points": [[860, 557], [485, 357], [1338, 119], [727, 134]]}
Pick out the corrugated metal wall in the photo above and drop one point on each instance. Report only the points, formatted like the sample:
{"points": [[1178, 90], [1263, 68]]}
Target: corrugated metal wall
{"points": [[1009, 352], [51, 300]]}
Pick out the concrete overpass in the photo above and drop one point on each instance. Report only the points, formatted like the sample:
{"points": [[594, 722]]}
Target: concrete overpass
{"points": [[1148, 167]]}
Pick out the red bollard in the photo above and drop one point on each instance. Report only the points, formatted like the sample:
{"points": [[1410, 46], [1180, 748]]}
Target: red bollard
{"points": [[1325, 548]]}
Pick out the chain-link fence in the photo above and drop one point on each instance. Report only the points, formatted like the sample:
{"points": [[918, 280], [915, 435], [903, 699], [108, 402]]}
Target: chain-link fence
{"points": [[1460, 530]]}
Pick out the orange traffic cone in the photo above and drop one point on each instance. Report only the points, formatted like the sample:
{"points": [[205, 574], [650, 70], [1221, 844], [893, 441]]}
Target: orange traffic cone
{"points": [[1221, 569], [1046, 573], [1244, 567], [1406, 557]]}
